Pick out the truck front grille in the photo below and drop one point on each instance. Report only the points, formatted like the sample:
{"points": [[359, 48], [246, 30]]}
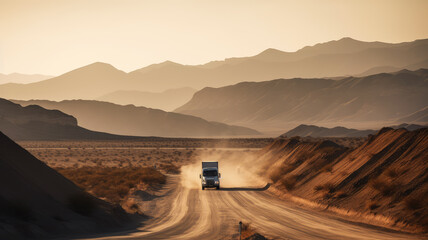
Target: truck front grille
{"points": [[210, 182]]}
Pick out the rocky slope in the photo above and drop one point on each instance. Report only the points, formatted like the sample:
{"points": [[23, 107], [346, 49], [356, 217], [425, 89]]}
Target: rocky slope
{"points": [[387, 175]]}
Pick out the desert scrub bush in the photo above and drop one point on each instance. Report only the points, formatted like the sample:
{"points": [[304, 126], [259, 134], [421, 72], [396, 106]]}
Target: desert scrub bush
{"points": [[414, 203], [82, 203], [289, 182], [113, 184], [383, 186], [328, 187], [341, 194], [372, 205]]}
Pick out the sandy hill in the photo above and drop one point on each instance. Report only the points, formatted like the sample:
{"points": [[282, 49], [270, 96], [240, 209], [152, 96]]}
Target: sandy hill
{"points": [[386, 175], [167, 100], [376, 98], [36, 201], [316, 131], [139, 121], [36, 123], [343, 57]]}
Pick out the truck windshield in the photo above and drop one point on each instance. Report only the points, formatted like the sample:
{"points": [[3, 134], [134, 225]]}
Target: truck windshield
{"points": [[210, 173]]}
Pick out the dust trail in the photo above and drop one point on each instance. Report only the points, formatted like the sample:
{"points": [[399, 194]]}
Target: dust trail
{"points": [[237, 169]]}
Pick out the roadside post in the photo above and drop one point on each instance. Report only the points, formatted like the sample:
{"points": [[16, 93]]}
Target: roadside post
{"points": [[240, 229]]}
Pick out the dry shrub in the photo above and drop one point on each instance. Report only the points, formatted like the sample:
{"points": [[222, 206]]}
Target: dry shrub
{"points": [[112, 184], [289, 182], [341, 194], [328, 187], [385, 187], [372, 205], [414, 203]]}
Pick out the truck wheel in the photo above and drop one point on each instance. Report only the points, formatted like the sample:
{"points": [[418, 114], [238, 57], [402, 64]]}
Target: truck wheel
{"points": [[203, 188], [218, 187]]}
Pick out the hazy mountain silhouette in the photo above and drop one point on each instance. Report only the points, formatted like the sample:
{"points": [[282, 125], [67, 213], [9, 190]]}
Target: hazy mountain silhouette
{"points": [[22, 78], [316, 131], [85, 82], [343, 57], [381, 97], [167, 100], [35, 200], [36, 123], [139, 121]]}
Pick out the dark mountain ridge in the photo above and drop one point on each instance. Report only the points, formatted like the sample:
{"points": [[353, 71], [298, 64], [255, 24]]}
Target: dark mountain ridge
{"points": [[380, 97], [139, 121]]}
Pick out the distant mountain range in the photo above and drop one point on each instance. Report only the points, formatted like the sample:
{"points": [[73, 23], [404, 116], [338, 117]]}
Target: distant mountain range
{"points": [[167, 100], [387, 97], [343, 57], [139, 121], [22, 78], [36, 123], [316, 131]]}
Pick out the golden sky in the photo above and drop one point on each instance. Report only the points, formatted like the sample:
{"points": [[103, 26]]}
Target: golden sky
{"points": [[52, 37]]}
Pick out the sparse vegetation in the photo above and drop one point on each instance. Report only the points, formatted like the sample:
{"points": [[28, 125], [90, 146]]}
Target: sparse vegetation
{"points": [[328, 187], [112, 184], [289, 182], [384, 186], [414, 203], [372, 205]]}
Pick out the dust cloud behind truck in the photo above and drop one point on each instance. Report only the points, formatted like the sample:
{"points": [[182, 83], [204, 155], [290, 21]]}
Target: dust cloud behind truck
{"points": [[210, 176]]}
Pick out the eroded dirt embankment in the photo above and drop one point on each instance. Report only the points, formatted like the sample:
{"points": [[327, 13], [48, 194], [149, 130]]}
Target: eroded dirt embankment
{"points": [[383, 181]]}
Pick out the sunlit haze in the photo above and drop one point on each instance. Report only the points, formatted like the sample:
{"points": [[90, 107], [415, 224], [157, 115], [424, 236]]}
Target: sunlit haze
{"points": [[52, 37]]}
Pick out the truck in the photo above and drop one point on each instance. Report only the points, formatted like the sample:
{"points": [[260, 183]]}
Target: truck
{"points": [[210, 177]]}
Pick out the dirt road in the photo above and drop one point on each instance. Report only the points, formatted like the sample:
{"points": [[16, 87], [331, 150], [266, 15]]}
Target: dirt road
{"points": [[183, 211]]}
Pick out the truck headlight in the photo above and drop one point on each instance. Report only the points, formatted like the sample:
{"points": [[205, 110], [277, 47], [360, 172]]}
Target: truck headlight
{"points": [[216, 182]]}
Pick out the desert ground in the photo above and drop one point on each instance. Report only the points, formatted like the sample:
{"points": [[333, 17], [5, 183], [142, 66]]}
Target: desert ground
{"points": [[172, 203]]}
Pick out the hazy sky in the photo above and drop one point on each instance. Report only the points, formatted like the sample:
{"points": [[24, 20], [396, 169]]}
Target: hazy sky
{"points": [[52, 37]]}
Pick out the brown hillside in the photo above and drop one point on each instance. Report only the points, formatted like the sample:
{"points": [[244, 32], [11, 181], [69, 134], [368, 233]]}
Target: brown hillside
{"points": [[387, 175], [36, 201]]}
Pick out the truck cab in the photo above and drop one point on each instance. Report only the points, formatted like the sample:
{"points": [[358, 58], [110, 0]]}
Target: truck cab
{"points": [[210, 176]]}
